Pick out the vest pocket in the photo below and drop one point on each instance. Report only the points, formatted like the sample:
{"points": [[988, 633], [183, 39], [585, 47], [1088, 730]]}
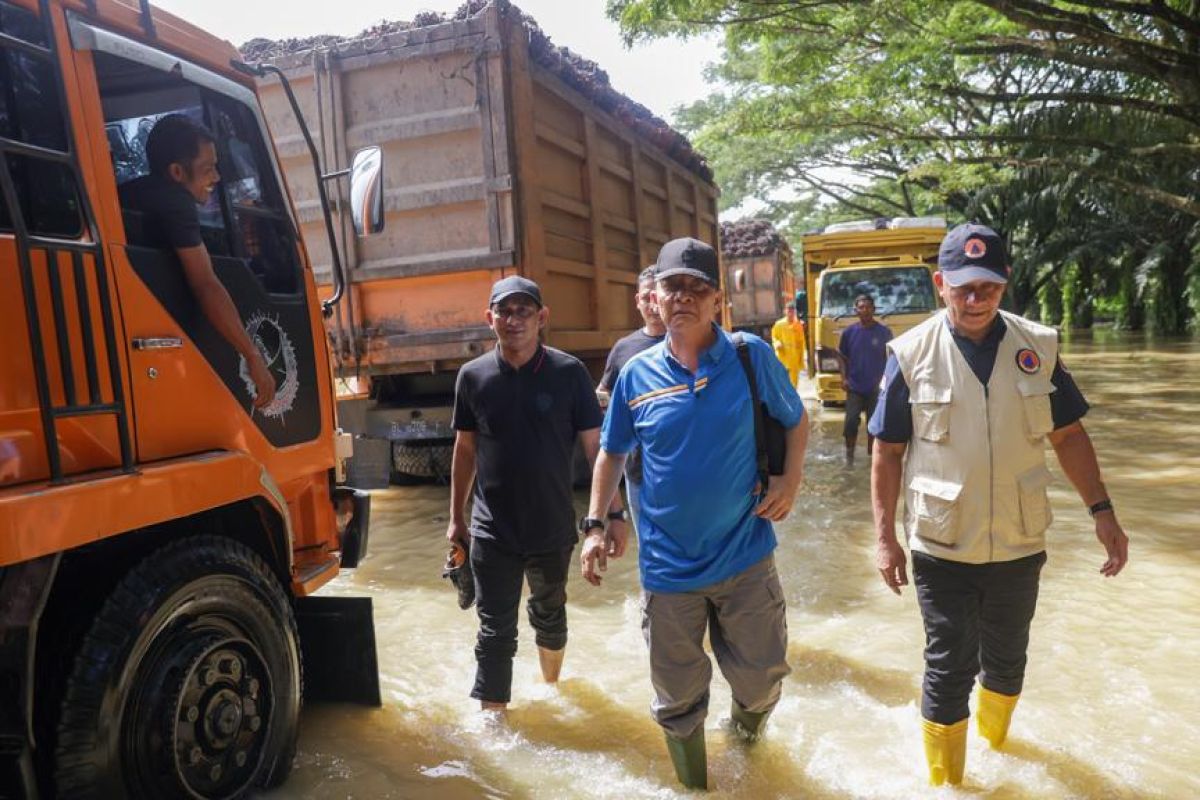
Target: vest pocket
{"points": [[1035, 397], [930, 407], [1036, 515], [933, 509]]}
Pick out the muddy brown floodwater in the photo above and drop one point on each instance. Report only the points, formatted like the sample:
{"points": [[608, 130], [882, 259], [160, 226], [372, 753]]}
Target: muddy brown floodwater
{"points": [[1110, 709]]}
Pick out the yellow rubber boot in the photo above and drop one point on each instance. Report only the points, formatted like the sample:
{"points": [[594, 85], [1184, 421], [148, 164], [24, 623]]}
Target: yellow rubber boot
{"points": [[994, 714], [945, 751]]}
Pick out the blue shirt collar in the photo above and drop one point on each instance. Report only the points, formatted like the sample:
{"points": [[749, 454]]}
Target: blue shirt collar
{"points": [[999, 326], [712, 355]]}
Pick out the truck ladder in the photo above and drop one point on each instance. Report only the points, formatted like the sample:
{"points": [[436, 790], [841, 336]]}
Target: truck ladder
{"points": [[84, 256]]}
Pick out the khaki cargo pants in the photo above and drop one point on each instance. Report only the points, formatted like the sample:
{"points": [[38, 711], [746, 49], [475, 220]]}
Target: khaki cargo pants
{"points": [[747, 626]]}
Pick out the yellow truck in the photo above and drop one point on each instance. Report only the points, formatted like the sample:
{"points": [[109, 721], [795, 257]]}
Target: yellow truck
{"points": [[890, 259]]}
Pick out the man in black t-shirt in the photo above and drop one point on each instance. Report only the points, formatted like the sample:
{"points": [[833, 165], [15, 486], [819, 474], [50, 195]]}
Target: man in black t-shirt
{"points": [[182, 157], [517, 411], [651, 333]]}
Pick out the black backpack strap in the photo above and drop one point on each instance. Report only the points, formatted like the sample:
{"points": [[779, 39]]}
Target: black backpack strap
{"points": [[760, 440]]}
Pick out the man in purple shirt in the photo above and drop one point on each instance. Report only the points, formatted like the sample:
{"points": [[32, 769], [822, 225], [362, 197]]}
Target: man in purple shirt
{"points": [[864, 354]]}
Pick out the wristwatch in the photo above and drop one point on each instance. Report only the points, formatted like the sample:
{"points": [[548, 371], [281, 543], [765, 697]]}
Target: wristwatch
{"points": [[1097, 508], [588, 524], [618, 516]]}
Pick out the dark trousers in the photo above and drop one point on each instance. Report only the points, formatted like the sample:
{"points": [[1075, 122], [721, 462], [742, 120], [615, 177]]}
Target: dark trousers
{"points": [[856, 405], [498, 577], [977, 620]]}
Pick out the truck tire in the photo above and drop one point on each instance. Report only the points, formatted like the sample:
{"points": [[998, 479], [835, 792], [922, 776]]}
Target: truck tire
{"points": [[188, 682], [421, 463]]}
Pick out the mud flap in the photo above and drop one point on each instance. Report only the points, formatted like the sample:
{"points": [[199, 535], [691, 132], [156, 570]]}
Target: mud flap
{"points": [[337, 643]]}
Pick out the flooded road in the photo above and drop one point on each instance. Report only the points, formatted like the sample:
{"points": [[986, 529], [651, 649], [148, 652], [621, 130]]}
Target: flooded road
{"points": [[1110, 709]]}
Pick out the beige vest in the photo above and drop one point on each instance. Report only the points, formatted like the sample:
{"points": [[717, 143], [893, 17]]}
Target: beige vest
{"points": [[975, 471]]}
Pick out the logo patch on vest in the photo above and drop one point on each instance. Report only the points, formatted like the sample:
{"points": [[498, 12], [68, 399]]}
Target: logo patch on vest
{"points": [[1028, 361]]}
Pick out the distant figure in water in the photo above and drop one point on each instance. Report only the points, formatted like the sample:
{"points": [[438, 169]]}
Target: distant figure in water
{"points": [[517, 412], [704, 529], [969, 399]]}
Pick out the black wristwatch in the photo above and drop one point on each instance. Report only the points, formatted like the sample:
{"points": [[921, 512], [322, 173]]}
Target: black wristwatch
{"points": [[588, 524], [1097, 508], [617, 516]]}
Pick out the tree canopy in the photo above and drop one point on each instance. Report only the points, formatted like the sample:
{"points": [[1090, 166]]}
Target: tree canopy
{"points": [[1072, 127]]}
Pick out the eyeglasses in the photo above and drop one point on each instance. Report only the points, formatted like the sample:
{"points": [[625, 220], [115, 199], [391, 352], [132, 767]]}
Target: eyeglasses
{"points": [[520, 312], [690, 287]]}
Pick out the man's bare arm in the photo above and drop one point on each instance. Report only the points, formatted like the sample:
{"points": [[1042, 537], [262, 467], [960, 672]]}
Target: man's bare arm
{"points": [[462, 475], [220, 311], [600, 544], [782, 489], [887, 467], [1077, 456]]}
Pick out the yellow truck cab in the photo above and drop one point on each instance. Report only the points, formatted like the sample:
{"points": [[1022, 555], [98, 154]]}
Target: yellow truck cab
{"points": [[890, 259]]}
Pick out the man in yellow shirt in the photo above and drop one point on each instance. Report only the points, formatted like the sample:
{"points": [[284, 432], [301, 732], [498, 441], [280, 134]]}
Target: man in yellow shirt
{"points": [[788, 337]]}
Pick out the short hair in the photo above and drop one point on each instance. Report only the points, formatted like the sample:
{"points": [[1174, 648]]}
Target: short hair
{"points": [[647, 274], [791, 306], [865, 296], [176, 139]]}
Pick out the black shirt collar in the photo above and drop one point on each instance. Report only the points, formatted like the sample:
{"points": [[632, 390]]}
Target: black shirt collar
{"points": [[991, 341], [530, 367]]}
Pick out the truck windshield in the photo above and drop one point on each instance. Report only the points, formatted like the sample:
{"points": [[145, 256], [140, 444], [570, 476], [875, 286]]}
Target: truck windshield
{"points": [[895, 290]]}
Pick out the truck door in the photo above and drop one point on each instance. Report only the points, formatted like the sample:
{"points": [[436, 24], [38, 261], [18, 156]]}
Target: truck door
{"points": [[190, 387]]}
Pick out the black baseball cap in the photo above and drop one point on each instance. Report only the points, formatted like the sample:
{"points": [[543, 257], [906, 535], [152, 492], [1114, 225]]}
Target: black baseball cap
{"points": [[973, 252], [688, 257], [515, 284]]}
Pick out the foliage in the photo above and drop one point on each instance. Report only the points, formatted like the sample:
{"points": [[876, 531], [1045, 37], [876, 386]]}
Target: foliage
{"points": [[1072, 127]]}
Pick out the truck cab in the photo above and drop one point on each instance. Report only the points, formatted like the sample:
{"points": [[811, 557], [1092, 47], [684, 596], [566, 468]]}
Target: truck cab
{"points": [[160, 537], [892, 260]]}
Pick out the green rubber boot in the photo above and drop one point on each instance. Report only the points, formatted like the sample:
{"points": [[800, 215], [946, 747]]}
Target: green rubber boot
{"points": [[690, 759], [748, 725]]}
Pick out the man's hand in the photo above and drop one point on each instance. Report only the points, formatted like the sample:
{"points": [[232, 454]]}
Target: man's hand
{"points": [[456, 533], [777, 502], [594, 555], [264, 382], [618, 538], [892, 565], [1115, 542]]}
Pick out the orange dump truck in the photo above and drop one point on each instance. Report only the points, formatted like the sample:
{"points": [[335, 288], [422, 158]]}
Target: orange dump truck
{"points": [[160, 538], [504, 155], [759, 274]]}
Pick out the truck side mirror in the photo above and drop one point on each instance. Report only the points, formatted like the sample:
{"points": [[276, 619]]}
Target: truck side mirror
{"points": [[366, 191]]}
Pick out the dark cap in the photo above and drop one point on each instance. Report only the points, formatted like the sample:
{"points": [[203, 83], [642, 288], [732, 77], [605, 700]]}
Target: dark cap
{"points": [[515, 284], [973, 252], [688, 257]]}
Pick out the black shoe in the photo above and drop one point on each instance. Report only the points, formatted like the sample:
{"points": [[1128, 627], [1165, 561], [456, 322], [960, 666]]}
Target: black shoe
{"points": [[458, 570]]}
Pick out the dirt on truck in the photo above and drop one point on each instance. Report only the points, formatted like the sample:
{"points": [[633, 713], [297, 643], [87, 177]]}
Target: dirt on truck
{"points": [[890, 259], [161, 537], [507, 155]]}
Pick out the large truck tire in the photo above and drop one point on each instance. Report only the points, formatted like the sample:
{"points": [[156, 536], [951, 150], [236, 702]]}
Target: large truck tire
{"points": [[421, 462], [187, 684]]}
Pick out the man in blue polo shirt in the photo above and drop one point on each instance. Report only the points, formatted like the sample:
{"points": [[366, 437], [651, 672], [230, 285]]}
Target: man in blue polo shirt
{"points": [[863, 347], [705, 533]]}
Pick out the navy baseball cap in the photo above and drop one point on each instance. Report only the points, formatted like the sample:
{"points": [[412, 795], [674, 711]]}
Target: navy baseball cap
{"points": [[515, 284], [688, 257], [973, 252]]}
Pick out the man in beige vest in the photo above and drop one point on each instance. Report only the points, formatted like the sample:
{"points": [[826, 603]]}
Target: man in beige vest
{"points": [[968, 400]]}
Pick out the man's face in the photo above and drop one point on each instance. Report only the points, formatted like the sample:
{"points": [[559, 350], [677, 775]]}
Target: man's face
{"points": [[200, 176], [865, 309], [645, 302], [686, 303], [517, 320], [791, 313], [973, 306]]}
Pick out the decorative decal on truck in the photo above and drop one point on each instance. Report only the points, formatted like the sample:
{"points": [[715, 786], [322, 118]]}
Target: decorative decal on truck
{"points": [[271, 340]]}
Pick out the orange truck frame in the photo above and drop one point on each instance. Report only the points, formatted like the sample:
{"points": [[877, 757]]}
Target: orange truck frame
{"points": [[160, 539]]}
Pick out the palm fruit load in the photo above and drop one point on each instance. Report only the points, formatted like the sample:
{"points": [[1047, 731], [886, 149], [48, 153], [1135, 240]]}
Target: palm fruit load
{"points": [[579, 73], [749, 238]]}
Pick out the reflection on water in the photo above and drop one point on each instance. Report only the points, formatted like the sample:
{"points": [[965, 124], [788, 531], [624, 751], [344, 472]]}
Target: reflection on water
{"points": [[1110, 708]]}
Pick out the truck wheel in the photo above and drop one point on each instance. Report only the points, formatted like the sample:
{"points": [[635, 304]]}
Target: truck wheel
{"points": [[188, 682]]}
